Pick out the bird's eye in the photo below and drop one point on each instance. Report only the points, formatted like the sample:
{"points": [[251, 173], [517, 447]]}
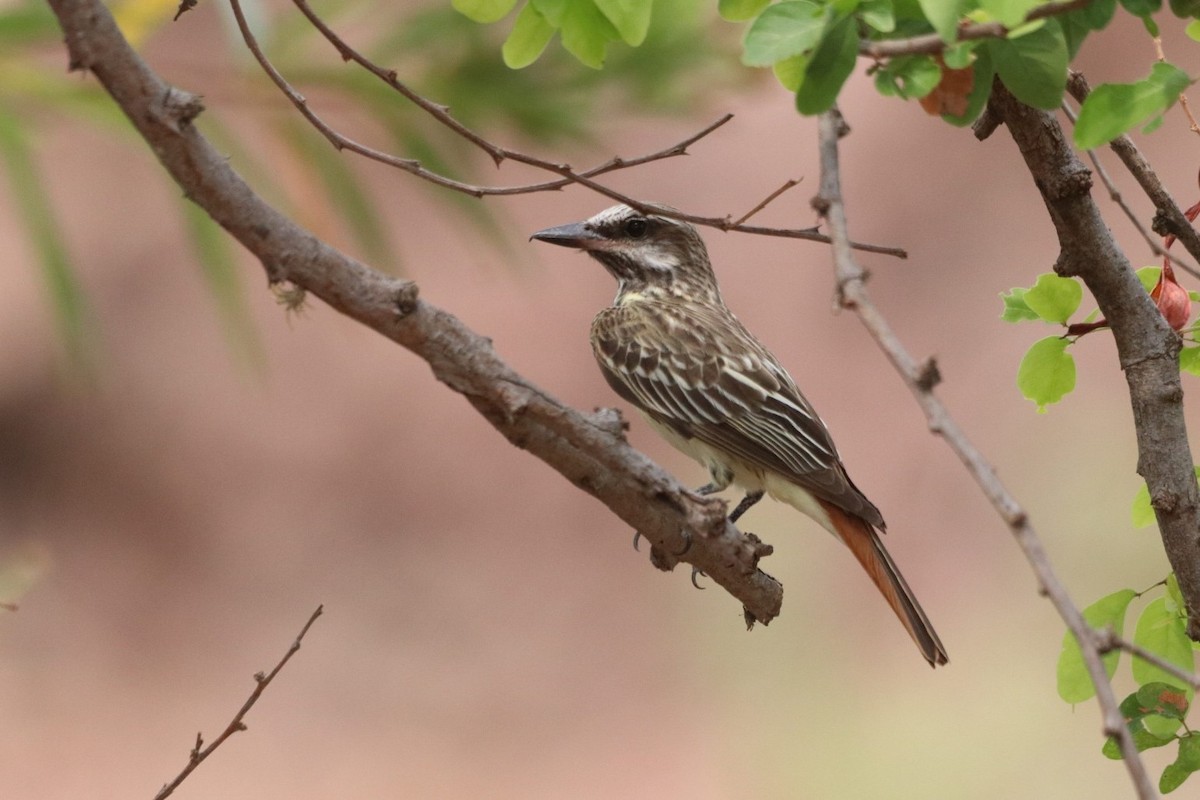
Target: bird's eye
{"points": [[636, 228]]}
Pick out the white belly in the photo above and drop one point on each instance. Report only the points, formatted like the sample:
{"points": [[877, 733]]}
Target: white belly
{"points": [[747, 476]]}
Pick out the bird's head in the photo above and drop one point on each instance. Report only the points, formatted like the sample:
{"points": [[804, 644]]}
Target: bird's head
{"points": [[651, 256]]}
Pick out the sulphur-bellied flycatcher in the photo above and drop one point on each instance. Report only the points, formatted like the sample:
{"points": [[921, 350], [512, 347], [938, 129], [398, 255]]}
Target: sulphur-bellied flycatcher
{"points": [[670, 346]]}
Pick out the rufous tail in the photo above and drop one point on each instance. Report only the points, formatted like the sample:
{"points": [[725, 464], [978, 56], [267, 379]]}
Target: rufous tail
{"points": [[867, 547]]}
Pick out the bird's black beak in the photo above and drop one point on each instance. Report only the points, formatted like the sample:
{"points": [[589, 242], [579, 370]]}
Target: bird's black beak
{"points": [[577, 235]]}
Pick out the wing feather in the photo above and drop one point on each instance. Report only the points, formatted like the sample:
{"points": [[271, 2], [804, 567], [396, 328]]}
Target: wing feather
{"points": [[699, 371]]}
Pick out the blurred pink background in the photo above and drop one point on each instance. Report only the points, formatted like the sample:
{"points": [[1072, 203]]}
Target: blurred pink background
{"points": [[488, 629]]}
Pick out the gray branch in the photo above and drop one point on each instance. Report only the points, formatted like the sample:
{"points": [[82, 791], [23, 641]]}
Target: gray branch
{"points": [[1147, 347], [589, 450]]}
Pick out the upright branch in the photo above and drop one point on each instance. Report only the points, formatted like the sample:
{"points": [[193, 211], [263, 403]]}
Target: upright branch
{"points": [[921, 380], [1147, 347]]}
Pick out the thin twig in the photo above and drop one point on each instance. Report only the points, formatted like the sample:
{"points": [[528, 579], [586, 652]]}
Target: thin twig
{"points": [[1115, 195], [931, 43], [496, 152], [853, 295], [769, 198], [1161, 55], [199, 752], [1107, 640], [1173, 218]]}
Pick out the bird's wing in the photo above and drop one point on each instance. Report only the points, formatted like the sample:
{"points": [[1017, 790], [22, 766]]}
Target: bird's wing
{"points": [[701, 373]]}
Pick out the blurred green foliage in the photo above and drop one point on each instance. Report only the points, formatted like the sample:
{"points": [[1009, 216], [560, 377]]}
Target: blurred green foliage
{"points": [[435, 50]]}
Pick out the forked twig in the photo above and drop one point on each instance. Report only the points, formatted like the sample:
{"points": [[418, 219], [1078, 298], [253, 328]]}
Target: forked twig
{"points": [[1115, 195], [1107, 640], [768, 200], [497, 153], [1145, 176]]}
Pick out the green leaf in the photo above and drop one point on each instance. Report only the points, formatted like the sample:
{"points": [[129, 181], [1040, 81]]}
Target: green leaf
{"points": [[486, 11], [878, 15], [529, 36], [1141, 8], [1162, 631], [1074, 684], [784, 30], [1098, 13], [1161, 700], [944, 16], [909, 77], [1034, 66], [828, 68], [790, 71], [1015, 307], [1047, 372], [1163, 708], [1187, 762], [1189, 360], [586, 32], [1174, 595], [37, 213], [1185, 9], [1154, 703], [1009, 13], [1142, 514], [1193, 30], [741, 10], [1148, 277], [1114, 108], [1054, 298], [631, 18], [960, 55]]}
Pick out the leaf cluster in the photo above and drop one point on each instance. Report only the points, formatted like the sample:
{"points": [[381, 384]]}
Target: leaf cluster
{"points": [[1156, 711], [1047, 371]]}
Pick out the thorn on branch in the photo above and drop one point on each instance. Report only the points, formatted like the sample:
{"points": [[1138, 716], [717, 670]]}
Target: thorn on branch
{"points": [[184, 7], [928, 375]]}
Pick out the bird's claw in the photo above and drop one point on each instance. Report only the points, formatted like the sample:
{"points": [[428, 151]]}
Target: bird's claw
{"points": [[697, 571], [687, 543], [636, 536]]}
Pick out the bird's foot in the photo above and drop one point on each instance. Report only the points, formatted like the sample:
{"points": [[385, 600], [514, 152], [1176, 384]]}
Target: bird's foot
{"points": [[747, 503]]}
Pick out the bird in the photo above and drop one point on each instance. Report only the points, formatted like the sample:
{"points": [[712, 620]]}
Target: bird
{"points": [[670, 346]]}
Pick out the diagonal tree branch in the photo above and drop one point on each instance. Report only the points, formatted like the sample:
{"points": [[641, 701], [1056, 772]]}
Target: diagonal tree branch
{"points": [[589, 450], [920, 381], [1147, 347], [261, 681]]}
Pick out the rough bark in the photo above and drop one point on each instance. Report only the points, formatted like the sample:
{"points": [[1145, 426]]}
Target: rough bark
{"points": [[589, 450], [1147, 347]]}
